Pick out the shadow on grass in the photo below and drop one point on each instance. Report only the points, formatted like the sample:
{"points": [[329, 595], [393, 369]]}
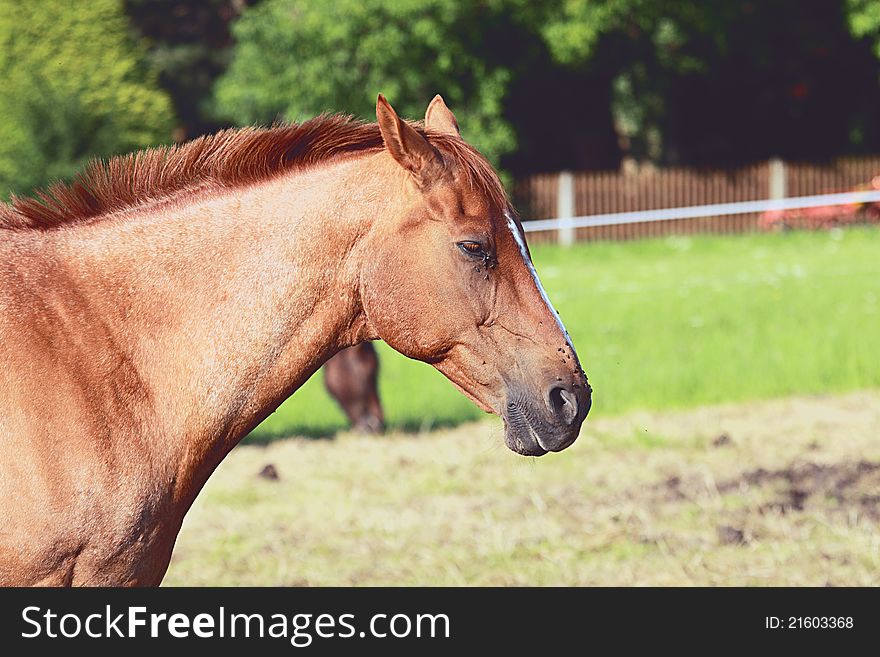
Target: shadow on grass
{"points": [[409, 426]]}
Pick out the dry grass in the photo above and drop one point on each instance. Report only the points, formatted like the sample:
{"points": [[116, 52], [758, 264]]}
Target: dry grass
{"points": [[790, 497]]}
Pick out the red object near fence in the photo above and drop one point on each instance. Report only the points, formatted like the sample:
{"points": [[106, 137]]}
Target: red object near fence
{"points": [[826, 216]]}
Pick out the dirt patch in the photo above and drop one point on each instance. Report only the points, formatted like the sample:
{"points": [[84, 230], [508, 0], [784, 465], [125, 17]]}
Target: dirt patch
{"points": [[851, 485], [830, 487], [269, 472]]}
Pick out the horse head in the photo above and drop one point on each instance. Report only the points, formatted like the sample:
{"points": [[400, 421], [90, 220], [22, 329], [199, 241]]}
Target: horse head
{"points": [[449, 280]]}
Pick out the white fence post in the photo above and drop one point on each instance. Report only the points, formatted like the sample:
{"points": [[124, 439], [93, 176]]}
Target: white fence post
{"points": [[777, 179], [565, 207]]}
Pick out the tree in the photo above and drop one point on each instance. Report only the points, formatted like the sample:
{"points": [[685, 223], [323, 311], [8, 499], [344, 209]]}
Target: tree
{"points": [[722, 81], [577, 83], [295, 59], [74, 86], [490, 61]]}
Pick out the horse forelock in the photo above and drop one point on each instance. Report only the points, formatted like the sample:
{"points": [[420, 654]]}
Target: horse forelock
{"points": [[228, 159]]}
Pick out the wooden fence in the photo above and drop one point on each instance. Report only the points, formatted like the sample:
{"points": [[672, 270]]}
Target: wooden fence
{"points": [[544, 196]]}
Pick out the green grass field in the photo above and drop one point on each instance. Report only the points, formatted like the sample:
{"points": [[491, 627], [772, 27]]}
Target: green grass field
{"points": [[672, 323]]}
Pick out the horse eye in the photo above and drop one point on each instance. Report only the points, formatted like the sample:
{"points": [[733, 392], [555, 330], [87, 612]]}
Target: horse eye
{"points": [[472, 248]]}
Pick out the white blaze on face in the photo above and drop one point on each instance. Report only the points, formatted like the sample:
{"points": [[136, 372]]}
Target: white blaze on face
{"points": [[514, 229]]}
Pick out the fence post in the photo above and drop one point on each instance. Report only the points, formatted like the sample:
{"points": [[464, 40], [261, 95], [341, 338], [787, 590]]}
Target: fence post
{"points": [[565, 207], [777, 179]]}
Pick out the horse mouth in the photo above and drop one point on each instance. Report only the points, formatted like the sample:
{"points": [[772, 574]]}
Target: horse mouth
{"points": [[527, 433], [519, 435]]}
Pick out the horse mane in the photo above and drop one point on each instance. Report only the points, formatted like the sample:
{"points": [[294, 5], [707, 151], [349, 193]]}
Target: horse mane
{"points": [[228, 159]]}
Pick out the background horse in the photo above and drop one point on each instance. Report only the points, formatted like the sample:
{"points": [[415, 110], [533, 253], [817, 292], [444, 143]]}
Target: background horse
{"points": [[158, 308], [351, 378]]}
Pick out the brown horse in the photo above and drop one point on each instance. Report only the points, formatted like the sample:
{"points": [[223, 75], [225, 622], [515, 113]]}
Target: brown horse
{"points": [[159, 307], [351, 379]]}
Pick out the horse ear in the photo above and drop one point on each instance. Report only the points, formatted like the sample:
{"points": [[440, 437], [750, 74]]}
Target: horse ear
{"points": [[407, 147], [440, 118]]}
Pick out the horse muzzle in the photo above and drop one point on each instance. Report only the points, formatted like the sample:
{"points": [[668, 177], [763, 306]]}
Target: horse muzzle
{"points": [[549, 423]]}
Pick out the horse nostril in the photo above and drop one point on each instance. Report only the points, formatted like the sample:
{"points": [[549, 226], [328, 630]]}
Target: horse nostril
{"points": [[563, 403]]}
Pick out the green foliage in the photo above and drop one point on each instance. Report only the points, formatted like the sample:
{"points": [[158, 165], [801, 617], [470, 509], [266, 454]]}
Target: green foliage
{"points": [[74, 87], [649, 35], [864, 20], [714, 81], [573, 33], [731, 318], [330, 56], [295, 59], [575, 83]]}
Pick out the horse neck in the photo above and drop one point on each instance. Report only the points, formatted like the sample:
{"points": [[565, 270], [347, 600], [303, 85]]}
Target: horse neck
{"points": [[226, 304]]}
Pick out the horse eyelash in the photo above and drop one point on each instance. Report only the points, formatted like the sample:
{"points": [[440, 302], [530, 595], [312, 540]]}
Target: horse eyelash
{"points": [[488, 261]]}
